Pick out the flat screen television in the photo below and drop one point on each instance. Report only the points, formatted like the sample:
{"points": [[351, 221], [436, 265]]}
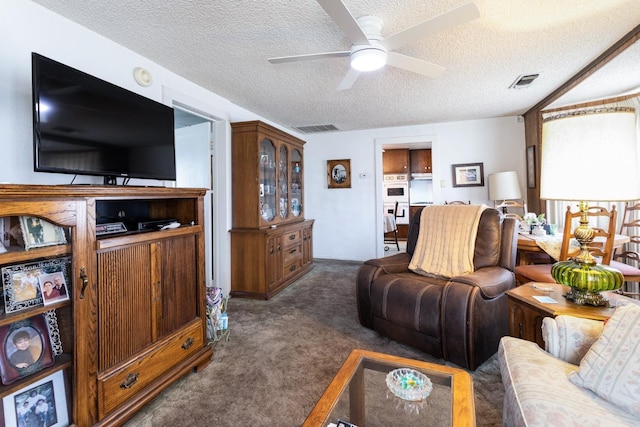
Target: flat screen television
{"points": [[86, 126]]}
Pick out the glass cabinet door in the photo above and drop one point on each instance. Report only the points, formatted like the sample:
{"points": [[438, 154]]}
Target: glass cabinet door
{"points": [[296, 182], [283, 181], [268, 186]]}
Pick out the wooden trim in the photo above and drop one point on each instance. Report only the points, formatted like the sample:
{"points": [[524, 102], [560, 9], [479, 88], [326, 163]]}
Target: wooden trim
{"points": [[608, 55]]}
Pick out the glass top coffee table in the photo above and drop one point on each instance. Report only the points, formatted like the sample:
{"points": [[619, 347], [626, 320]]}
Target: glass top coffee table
{"points": [[359, 394]]}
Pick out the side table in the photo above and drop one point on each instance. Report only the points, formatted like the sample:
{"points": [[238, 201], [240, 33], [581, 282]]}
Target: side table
{"points": [[526, 312]]}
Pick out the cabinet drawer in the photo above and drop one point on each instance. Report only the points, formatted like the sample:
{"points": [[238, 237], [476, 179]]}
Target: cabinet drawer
{"points": [[118, 385], [292, 254], [291, 238], [292, 267]]}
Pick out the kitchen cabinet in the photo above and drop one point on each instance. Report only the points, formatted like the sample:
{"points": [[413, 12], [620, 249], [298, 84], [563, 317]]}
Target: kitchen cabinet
{"points": [[270, 239], [421, 161], [135, 319], [395, 161]]}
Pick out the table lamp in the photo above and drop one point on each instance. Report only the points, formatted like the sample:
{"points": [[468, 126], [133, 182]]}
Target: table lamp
{"points": [[504, 186], [589, 155]]}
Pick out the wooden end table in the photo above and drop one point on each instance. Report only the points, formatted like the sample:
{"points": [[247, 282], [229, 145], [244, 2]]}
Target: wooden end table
{"points": [[359, 389], [526, 312]]}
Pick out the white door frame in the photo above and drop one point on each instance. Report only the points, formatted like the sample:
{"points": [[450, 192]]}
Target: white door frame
{"points": [[418, 141], [221, 185]]}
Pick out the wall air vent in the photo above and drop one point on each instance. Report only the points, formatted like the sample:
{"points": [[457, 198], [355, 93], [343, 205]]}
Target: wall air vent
{"points": [[315, 128], [523, 81]]}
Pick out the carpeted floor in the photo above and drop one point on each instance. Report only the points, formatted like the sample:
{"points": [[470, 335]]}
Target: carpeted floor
{"points": [[283, 353]]}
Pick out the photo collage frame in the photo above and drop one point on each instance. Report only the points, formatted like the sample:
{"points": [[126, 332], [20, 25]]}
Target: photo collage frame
{"points": [[35, 283]]}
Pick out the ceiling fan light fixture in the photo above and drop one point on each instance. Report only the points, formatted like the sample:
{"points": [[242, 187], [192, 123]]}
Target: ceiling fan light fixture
{"points": [[368, 58]]}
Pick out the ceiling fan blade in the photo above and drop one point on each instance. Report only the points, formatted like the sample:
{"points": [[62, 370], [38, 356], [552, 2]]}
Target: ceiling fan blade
{"points": [[309, 57], [338, 11], [349, 79], [414, 65], [453, 18]]}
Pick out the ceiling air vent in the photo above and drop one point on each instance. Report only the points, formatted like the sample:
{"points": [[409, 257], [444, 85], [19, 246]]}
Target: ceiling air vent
{"points": [[523, 81], [315, 128]]}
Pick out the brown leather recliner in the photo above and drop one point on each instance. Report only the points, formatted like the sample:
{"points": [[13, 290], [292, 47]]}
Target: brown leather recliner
{"points": [[460, 319]]}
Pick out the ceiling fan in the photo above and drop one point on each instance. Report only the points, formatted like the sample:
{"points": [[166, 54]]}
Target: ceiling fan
{"points": [[369, 51]]}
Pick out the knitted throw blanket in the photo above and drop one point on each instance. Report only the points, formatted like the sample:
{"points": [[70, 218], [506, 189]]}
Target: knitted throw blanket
{"points": [[446, 240]]}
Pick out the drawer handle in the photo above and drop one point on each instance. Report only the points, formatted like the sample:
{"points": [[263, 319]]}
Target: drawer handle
{"points": [[271, 250], [292, 237], [188, 343], [85, 281], [292, 268], [279, 248], [293, 251], [129, 381]]}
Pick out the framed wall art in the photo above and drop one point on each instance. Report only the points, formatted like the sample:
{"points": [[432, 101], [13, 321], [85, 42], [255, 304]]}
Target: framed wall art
{"points": [[26, 348], [531, 166], [468, 175], [339, 173], [21, 282], [43, 403], [37, 232]]}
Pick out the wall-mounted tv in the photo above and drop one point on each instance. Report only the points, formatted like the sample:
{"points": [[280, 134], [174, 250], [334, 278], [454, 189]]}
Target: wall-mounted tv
{"points": [[86, 126]]}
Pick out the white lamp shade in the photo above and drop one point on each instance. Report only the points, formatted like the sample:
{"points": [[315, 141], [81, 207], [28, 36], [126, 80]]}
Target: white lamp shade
{"points": [[504, 186], [590, 157]]}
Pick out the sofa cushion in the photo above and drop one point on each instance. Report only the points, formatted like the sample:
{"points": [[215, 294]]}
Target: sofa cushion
{"points": [[611, 367], [487, 252], [569, 337], [538, 393], [409, 300]]}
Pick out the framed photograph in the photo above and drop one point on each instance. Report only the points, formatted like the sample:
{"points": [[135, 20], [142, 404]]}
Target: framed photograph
{"points": [[43, 403], [26, 348], [531, 166], [53, 287], [468, 175], [37, 232], [22, 286], [339, 173]]}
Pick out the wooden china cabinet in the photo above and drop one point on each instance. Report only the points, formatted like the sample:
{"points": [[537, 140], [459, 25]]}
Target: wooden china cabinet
{"points": [[134, 320], [271, 242]]}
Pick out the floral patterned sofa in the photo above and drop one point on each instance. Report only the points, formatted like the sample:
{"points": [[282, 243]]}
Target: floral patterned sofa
{"points": [[541, 387]]}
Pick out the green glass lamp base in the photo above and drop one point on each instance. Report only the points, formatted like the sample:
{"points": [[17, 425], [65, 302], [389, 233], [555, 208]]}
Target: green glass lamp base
{"points": [[586, 281]]}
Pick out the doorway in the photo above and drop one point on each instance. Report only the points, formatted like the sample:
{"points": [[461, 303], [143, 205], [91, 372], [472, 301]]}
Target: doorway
{"points": [[194, 139], [410, 143]]}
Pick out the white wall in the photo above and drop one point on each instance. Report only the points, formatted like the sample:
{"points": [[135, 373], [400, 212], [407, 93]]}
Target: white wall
{"points": [[26, 27], [347, 220]]}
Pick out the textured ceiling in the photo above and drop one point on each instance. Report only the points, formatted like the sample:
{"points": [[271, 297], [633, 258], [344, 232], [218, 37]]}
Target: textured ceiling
{"points": [[223, 45]]}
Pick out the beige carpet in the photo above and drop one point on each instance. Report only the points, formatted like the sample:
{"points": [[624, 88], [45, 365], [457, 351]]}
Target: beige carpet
{"points": [[283, 353]]}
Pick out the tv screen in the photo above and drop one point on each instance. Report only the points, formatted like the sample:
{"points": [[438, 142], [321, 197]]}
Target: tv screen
{"points": [[87, 126]]}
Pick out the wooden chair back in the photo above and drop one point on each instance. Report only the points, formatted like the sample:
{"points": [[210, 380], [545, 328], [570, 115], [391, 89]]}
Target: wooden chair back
{"points": [[505, 205], [597, 249], [631, 222]]}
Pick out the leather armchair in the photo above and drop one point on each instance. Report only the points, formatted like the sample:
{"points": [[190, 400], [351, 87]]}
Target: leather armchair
{"points": [[460, 319]]}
